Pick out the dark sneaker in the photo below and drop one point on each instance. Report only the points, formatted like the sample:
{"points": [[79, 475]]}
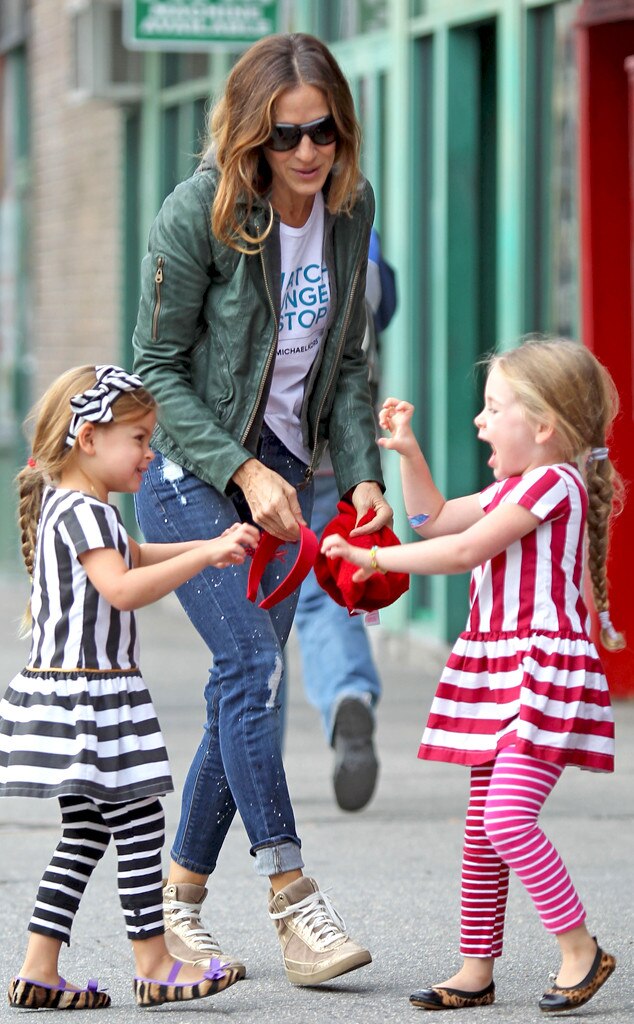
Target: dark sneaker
{"points": [[356, 764], [315, 944]]}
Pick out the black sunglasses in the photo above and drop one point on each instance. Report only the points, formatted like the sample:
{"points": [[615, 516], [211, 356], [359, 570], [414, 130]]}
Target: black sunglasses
{"points": [[322, 132]]}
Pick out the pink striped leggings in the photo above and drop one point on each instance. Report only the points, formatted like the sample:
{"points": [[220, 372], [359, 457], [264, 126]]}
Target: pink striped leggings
{"points": [[501, 832]]}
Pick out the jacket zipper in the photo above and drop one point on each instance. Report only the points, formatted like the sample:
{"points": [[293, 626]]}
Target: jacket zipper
{"points": [[158, 281], [310, 472], [247, 430]]}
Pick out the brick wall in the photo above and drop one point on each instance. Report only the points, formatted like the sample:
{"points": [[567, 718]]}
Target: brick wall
{"points": [[76, 239]]}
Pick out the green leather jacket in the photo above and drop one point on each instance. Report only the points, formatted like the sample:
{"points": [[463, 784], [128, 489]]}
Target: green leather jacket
{"points": [[206, 337]]}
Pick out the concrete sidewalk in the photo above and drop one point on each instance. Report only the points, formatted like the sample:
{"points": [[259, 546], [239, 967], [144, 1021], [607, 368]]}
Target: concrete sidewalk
{"points": [[393, 869]]}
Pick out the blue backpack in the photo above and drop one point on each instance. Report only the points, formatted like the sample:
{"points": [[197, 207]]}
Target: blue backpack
{"points": [[387, 275]]}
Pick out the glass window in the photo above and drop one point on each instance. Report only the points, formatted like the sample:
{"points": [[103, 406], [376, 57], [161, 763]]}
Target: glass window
{"points": [[343, 19], [12, 23], [184, 67], [551, 225], [184, 134], [14, 275], [126, 65], [565, 277]]}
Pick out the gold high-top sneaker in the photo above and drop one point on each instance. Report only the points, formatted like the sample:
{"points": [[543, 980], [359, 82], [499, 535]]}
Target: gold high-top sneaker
{"points": [[186, 937], [314, 940]]}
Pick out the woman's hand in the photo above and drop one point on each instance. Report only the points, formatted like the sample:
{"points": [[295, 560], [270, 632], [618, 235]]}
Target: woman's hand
{"points": [[272, 500], [395, 416], [368, 495]]}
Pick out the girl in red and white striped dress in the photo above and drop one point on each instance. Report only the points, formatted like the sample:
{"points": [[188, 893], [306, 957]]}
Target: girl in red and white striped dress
{"points": [[523, 693]]}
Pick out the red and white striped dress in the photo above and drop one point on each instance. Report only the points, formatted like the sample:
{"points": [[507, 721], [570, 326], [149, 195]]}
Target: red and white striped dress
{"points": [[525, 671]]}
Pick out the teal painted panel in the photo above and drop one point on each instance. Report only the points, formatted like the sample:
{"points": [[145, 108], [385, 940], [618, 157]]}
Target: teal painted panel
{"points": [[471, 246], [472, 136], [420, 371], [463, 201], [538, 153]]}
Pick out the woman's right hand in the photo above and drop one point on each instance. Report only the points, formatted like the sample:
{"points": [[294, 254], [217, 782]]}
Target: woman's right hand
{"points": [[272, 500]]}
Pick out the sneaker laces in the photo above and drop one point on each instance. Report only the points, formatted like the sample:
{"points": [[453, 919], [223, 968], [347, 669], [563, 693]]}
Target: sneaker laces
{"points": [[188, 914], [316, 915]]}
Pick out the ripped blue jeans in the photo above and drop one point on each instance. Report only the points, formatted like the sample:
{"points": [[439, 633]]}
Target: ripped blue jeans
{"points": [[238, 763]]}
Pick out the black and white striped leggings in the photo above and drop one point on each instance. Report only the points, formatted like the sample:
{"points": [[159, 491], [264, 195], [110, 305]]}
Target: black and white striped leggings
{"points": [[138, 830]]}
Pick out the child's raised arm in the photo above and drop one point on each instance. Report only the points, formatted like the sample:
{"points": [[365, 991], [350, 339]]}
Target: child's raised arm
{"points": [[423, 500], [154, 577]]}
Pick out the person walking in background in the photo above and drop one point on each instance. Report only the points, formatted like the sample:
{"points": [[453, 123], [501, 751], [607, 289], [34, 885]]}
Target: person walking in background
{"points": [[249, 334], [340, 676], [523, 694], [77, 724]]}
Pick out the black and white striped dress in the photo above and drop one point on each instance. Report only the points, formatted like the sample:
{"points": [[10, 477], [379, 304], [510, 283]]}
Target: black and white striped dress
{"points": [[79, 719]]}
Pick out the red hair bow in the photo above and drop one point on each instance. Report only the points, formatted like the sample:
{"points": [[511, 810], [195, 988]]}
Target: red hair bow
{"points": [[266, 551]]}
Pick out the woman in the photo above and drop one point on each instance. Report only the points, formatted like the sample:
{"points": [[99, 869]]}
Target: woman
{"points": [[249, 336]]}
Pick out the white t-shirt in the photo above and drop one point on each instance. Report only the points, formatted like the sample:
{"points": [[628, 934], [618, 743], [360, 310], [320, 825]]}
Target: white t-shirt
{"points": [[305, 313]]}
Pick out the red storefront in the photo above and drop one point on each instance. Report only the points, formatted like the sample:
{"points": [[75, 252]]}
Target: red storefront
{"points": [[606, 97]]}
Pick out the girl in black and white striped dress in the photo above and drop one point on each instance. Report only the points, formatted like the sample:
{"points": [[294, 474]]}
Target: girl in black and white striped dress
{"points": [[78, 723]]}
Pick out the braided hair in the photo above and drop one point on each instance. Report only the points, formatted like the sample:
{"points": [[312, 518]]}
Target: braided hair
{"points": [[50, 452], [561, 381]]}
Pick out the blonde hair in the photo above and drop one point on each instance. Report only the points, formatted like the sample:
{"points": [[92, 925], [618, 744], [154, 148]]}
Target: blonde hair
{"points": [[562, 382], [50, 453], [242, 120]]}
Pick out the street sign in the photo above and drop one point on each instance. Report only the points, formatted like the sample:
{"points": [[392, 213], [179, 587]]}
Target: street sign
{"points": [[197, 24]]}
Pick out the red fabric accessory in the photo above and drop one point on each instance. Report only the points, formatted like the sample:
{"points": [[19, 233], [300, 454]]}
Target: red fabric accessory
{"points": [[335, 574], [266, 551], [31, 463]]}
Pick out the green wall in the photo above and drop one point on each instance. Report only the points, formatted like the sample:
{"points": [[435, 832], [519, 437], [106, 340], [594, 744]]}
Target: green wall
{"points": [[456, 99], [14, 352], [465, 207], [461, 104], [465, 143]]}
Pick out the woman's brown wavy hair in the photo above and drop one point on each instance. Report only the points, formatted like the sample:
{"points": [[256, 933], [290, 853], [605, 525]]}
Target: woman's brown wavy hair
{"points": [[242, 120]]}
